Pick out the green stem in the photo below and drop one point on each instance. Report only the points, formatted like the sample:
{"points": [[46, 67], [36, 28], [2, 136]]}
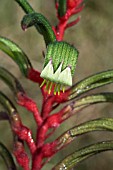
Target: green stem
{"points": [[25, 6], [62, 8]]}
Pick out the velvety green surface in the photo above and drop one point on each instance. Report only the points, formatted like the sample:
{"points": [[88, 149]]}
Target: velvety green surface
{"points": [[93, 37]]}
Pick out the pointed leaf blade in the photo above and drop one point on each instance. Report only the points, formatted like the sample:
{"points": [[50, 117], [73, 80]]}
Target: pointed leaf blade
{"points": [[16, 53], [73, 159], [7, 157]]}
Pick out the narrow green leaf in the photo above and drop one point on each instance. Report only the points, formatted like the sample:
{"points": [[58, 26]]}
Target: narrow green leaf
{"points": [[73, 159], [11, 81], [12, 114], [7, 157], [62, 7], [16, 54], [91, 82], [91, 99], [103, 124], [42, 24], [8, 106]]}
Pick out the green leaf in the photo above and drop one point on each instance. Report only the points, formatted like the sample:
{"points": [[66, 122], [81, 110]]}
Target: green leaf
{"points": [[103, 124], [92, 82], [42, 24], [9, 107], [11, 81], [12, 114], [7, 157], [15, 52], [91, 99], [73, 159]]}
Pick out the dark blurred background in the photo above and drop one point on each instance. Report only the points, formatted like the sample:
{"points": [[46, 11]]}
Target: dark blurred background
{"points": [[93, 37]]}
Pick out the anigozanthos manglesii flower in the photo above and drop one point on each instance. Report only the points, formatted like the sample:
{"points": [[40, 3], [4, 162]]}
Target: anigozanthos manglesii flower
{"points": [[59, 66]]}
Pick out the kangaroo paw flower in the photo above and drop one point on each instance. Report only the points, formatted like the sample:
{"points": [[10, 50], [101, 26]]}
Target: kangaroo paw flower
{"points": [[59, 66]]}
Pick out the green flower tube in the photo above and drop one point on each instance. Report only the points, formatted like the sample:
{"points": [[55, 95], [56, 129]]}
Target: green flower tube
{"points": [[59, 66]]}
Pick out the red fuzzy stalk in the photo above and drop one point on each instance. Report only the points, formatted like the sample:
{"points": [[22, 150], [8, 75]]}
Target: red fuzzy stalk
{"points": [[34, 76], [73, 7], [41, 152], [30, 105], [23, 133], [21, 155]]}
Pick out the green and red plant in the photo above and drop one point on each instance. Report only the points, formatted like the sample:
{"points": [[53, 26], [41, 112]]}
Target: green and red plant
{"points": [[60, 56]]}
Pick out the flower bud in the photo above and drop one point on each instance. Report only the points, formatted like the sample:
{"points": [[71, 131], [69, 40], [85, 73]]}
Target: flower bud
{"points": [[59, 66]]}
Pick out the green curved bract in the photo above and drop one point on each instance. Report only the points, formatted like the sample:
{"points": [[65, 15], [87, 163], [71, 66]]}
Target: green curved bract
{"points": [[16, 53], [42, 24]]}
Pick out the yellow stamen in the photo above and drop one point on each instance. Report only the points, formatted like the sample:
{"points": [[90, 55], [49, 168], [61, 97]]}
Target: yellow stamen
{"points": [[55, 89], [47, 85], [58, 87], [44, 81], [63, 89], [50, 87]]}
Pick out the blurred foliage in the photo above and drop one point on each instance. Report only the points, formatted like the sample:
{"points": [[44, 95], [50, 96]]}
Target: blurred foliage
{"points": [[93, 38]]}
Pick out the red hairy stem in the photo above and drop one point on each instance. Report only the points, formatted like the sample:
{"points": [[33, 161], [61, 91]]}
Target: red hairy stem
{"points": [[46, 151], [73, 7], [52, 122], [23, 133], [47, 107], [34, 76], [49, 149], [30, 105], [50, 99], [21, 155], [63, 97]]}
